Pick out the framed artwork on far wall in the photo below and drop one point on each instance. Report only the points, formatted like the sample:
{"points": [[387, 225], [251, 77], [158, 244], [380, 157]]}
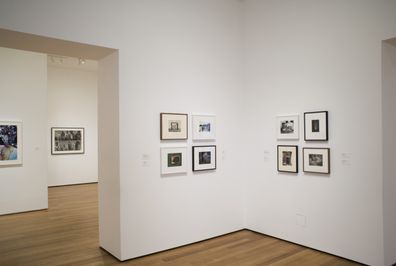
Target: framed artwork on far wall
{"points": [[204, 127], [67, 140], [10, 143], [204, 158], [316, 126], [287, 158], [288, 127], [173, 126], [316, 160], [173, 160]]}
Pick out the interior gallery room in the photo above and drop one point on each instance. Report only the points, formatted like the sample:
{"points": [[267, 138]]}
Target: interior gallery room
{"points": [[198, 132]]}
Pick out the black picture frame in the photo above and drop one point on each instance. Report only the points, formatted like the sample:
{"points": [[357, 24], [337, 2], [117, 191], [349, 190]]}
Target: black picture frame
{"points": [[316, 126], [166, 134], [196, 158], [291, 165], [54, 150], [317, 168]]}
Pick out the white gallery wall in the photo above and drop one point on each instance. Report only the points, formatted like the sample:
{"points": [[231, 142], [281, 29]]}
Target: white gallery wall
{"points": [[23, 87], [246, 62], [389, 146], [314, 56], [72, 102]]}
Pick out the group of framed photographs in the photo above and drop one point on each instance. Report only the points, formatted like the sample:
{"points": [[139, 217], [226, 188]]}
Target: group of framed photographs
{"points": [[63, 141], [174, 126], [315, 126], [315, 160]]}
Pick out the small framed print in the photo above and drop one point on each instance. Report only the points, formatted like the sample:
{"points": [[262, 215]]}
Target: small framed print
{"points": [[316, 160], [288, 158], [173, 160], [204, 158], [10, 143], [288, 127], [67, 140], [173, 126], [316, 126], [204, 127]]}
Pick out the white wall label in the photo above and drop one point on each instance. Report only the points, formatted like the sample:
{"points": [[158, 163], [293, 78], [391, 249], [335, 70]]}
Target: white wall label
{"points": [[267, 155], [301, 220], [146, 160], [346, 159]]}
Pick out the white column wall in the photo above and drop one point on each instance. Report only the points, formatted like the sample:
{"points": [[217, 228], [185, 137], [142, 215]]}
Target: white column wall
{"points": [[389, 147], [72, 102], [109, 155], [23, 90], [174, 56], [313, 56]]}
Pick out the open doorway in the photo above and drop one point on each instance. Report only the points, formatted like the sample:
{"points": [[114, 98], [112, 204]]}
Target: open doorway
{"points": [[37, 147], [72, 120]]}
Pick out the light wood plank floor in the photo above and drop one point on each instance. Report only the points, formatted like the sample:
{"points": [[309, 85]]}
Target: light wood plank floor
{"points": [[67, 234]]}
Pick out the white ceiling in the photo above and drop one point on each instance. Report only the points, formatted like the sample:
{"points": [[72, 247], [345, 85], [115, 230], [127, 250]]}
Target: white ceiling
{"points": [[36, 43], [72, 62]]}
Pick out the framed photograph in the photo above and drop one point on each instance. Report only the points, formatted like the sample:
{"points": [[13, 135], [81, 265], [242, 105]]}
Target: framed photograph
{"points": [[316, 126], [288, 158], [316, 160], [204, 158], [173, 126], [67, 140], [288, 127], [10, 143], [204, 127], [173, 160]]}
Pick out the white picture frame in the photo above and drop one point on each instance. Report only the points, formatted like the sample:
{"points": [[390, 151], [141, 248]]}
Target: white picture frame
{"points": [[204, 158], [288, 127], [204, 127], [316, 126], [173, 160], [316, 160], [11, 143], [67, 140]]}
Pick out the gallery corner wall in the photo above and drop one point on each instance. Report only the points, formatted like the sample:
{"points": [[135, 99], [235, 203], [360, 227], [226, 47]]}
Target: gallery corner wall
{"points": [[23, 89], [306, 56], [72, 102]]}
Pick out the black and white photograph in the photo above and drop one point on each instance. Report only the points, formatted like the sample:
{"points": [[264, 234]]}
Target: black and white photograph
{"points": [[204, 127], [173, 126], [67, 140], [288, 126], [173, 160], [316, 160], [287, 158], [204, 158], [316, 126], [10, 143]]}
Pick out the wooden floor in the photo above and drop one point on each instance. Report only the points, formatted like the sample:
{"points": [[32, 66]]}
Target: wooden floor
{"points": [[67, 234]]}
